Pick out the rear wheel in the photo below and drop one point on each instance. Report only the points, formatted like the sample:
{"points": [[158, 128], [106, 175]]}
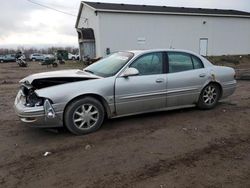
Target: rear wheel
{"points": [[209, 96], [84, 116]]}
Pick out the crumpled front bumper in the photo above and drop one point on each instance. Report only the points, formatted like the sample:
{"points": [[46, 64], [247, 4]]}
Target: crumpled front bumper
{"points": [[36, 116]]}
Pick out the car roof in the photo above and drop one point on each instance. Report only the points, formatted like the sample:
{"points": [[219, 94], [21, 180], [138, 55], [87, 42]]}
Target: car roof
{"points": [[139, 52]]}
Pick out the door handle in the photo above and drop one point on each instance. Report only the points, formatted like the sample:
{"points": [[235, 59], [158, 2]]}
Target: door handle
{"points": [[159, 80], [202, 75]]}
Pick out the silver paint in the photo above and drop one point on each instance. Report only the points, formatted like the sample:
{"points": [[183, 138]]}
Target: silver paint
{"points": [[123, 95]]}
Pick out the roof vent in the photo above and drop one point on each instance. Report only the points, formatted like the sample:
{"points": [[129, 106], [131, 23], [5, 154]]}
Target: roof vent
{"points": [[98, 3], [164, 6], [122, 4], [182, 7], [144, 5], [200, 8]]}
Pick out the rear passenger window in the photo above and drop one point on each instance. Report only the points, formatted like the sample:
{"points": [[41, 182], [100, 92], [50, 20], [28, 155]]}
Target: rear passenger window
{"points": [[179, 62], [197, 63]]}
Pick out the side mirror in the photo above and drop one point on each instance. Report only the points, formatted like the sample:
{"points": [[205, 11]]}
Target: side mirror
{"points": [[130, 72]]}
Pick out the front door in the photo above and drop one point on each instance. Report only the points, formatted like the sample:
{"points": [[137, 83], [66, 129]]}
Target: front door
{"points": [[144, 92]]}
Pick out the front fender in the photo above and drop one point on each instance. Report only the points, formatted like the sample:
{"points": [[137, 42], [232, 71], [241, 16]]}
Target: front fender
{"points": [[62, 94]]}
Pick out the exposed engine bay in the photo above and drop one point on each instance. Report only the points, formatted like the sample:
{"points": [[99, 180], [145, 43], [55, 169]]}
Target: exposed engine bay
{"points": [[28, 89], [48, 82]]}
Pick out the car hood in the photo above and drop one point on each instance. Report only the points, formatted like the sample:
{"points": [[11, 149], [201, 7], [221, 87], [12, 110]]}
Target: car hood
{"points": [[47, 79], [73, 73]]}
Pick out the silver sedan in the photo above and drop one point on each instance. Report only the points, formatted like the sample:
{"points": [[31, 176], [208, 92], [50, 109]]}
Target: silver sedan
{"points": [[122, 84]]}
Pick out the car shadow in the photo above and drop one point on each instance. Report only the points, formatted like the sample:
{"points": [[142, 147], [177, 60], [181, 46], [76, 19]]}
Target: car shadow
{"points": [[127, 122]]}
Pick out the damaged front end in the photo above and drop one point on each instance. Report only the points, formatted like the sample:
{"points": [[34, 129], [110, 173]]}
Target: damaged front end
{"points": [[34, 109], [43, 111]]}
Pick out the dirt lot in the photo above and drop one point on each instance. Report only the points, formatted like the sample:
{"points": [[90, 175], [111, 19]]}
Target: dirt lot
{"points": [[182, 148]]}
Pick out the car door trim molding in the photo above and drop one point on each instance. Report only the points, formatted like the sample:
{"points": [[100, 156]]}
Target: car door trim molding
{"points": [[182, 90], [164, 92]]}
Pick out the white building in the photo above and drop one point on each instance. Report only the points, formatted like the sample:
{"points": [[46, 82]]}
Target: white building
{"points": [[105, 27]]}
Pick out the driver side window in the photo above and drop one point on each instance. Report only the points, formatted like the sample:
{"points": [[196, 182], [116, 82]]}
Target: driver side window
{"points": [[149, 64]]}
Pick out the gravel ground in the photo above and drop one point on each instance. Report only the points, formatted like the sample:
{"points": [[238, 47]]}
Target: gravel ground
{"points": [[181, 148]]}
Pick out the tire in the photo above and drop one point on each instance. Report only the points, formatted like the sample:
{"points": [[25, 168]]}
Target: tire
{"points": [[33, 59], [1, 61], [209, 96], [73, 58], [79, 121]]}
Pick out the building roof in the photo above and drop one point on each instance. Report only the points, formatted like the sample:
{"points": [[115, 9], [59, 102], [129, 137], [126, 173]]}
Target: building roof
{"points": [[129, 8]]}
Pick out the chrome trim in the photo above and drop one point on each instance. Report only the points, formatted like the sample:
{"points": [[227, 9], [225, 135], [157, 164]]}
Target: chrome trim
{"points": [[144, 95], [164, 92], [183, 90], [26, 120]]}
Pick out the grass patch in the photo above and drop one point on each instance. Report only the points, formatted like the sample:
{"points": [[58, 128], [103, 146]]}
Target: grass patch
{"points": [[229, 60]]}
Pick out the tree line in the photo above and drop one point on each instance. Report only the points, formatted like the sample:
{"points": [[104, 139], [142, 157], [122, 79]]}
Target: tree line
{"points": [[28, 51]]}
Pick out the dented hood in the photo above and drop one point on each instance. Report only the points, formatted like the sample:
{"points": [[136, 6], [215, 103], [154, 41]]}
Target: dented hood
{"points": [[73, 73]]}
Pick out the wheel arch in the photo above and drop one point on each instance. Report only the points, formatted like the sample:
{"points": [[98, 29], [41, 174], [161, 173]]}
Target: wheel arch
{"points": [[95, 96], [216, 83]]}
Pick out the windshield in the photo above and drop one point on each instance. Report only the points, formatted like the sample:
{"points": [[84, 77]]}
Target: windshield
{"points": [[110, 65]]}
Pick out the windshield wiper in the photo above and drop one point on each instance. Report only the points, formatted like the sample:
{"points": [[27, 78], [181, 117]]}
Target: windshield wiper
{"points": [[86, 70]]}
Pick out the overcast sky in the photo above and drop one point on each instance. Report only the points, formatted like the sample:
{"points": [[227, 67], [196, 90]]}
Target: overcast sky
{"points": [[25, 24]]}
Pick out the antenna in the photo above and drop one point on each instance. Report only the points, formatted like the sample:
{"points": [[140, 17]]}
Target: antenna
{"points": [[171, 43]]}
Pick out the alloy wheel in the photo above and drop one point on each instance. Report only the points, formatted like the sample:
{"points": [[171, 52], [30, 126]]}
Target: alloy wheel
{"points": [[85, 116], [210, 95]]}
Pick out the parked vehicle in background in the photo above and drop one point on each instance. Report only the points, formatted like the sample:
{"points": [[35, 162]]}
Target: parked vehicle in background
{"points": [[49, 59], [1, 58], [37, 57], [8, 58], [73, 56], [124, 83], [62, 55], [78, 57], [49, 56]]}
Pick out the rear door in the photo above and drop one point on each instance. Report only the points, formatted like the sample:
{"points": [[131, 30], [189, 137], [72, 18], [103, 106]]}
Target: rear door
{"points": [[186, 76], [143, 92]]}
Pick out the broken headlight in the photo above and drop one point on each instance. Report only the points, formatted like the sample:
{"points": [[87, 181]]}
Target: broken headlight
{"points": [[33, 100]]}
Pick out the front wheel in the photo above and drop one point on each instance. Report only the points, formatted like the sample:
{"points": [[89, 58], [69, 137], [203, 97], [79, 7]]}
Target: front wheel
{"points": [[84, 116], [209, 96]]}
